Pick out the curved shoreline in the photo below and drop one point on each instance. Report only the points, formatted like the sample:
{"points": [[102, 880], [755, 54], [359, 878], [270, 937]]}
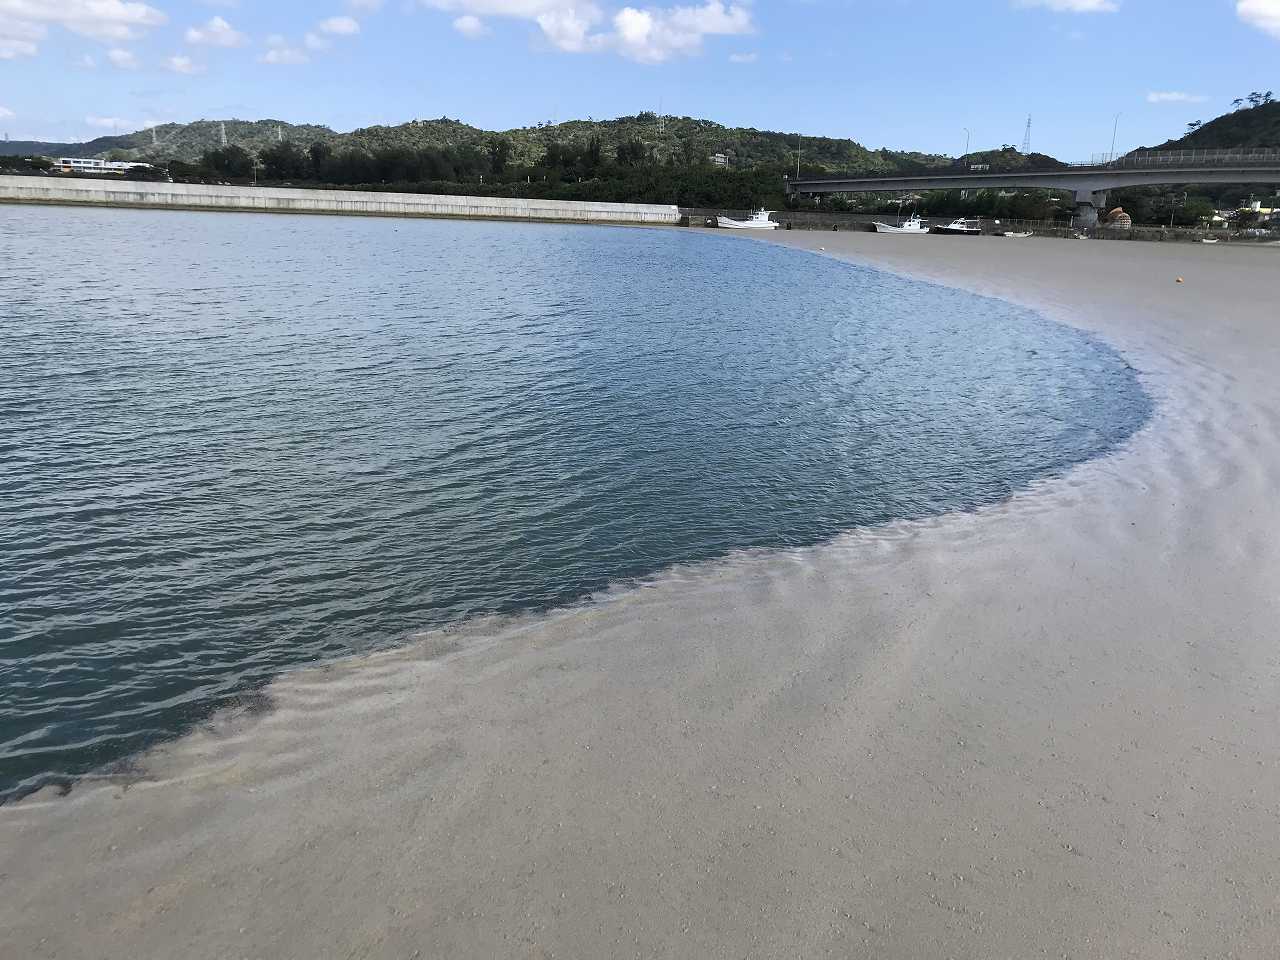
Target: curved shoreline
{"points": [[1045, 725], [862, 398]]}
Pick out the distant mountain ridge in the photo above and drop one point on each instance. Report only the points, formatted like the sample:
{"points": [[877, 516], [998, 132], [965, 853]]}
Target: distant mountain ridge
{"points": [[683, 137], [175, 141]]}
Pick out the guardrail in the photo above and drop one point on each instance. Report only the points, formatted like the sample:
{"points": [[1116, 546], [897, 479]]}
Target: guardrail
{"points": [[1138, 160], [1146, 159]]}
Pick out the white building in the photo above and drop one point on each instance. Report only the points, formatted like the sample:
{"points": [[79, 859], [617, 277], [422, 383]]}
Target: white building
{"points": [[76, 165]]}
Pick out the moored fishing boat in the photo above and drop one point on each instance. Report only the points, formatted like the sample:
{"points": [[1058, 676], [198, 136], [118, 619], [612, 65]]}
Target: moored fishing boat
{"points": [[961, 226], [914, 226], [757, 221]]}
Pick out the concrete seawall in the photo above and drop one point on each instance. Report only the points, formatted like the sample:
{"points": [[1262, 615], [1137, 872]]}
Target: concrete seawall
{"points": [[183, 196]]}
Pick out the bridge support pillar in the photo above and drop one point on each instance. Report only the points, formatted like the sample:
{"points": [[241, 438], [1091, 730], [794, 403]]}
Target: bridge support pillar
{"points": [[1088, 203]]}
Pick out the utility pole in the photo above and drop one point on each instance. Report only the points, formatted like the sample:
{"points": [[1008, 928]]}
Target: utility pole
{"points": [[966, 140], [798, 141], [1114, 128]]}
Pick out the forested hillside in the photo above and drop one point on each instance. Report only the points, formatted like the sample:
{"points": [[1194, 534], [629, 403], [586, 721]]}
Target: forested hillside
{"points": [[1254, 123], [684, 140]]}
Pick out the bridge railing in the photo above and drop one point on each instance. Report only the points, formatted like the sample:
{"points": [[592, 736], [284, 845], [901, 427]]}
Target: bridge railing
{"points": [[1149, 159], [1137, 160]]}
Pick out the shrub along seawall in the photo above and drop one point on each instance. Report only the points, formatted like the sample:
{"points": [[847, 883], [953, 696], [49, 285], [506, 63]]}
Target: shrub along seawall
{"points": [[183, 196]]}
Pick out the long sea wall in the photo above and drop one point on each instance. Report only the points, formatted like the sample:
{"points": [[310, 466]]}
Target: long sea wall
{"points": [[186, 196]]}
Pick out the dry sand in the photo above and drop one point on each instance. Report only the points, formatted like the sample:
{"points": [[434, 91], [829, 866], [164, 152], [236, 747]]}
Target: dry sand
{"points": [[1050, 728]]}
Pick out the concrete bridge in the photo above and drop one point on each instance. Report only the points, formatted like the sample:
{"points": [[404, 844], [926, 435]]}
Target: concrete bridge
{"points": [[1090, 182]]}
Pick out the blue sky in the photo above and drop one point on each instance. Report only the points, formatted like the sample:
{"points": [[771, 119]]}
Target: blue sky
{"points": [[909, 74]]}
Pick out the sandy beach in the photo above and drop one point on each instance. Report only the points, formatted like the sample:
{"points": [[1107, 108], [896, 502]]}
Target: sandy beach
{"points": [[1044, 729]]}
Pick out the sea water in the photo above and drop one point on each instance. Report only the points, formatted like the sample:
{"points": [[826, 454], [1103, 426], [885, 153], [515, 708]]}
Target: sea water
{"points": [[231, 443]]}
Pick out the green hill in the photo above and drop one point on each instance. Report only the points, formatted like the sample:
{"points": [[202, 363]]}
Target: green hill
{"points": [[175, 141], [1247, 127], [686, 140], [683, 138]]}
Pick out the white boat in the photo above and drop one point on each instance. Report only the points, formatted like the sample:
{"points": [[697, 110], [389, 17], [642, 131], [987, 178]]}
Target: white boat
{"points": [[961, 226], [758, 221], [1209, 240], [915, 226], [1017, 235]]}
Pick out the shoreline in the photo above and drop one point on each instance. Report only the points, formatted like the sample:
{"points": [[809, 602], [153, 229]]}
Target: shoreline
{"points": [[1043, 725]]}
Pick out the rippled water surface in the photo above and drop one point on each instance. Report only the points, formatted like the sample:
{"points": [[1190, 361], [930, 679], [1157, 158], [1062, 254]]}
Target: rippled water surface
{"points": [[233, 443]]}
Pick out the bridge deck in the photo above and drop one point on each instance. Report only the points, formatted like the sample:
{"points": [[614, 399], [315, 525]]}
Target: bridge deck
{"points": [[1151, 167]]}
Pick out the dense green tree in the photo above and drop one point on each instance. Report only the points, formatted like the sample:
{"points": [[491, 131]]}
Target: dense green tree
{"points": [[232, 162], [285, 161], [319, 154], [499, 150], [632, 153]]}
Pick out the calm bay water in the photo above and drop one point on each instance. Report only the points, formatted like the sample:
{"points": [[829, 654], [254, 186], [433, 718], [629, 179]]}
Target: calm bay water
{"points": [[230, 444]]}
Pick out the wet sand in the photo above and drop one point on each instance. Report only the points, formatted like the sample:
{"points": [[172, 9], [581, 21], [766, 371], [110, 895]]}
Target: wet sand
{"points": [[1048, 728]]}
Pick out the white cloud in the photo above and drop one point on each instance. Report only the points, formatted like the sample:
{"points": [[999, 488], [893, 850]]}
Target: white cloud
{"points": [[652, 36], [19, 38], [1263, 14], [87, 63], [1174, 96], [340, 26], [122, 59], [1073, 6], [366, 6], [27, 20], [569, 28], [280, 53], [470, 25], [217, 32], [316, 41], [743, 57], [6, 113], [648, 34], [179, 63]]}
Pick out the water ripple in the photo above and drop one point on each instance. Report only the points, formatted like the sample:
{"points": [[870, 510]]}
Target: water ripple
{"points": [[231, 444]]}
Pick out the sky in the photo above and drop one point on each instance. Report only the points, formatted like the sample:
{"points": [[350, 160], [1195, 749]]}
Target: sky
{"points": [[929, 75]]}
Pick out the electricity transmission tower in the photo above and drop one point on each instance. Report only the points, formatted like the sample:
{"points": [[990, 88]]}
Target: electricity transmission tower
{"points": [[1026, 139]]}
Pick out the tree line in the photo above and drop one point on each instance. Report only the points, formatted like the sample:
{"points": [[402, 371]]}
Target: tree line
{"points": [[631, 172]]}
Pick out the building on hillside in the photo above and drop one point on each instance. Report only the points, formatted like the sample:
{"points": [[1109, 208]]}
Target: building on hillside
{"points": [[77, 165], [720, 160]]}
